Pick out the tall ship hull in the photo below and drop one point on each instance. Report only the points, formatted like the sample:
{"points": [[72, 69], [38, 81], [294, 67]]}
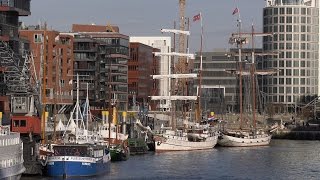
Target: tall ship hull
{"points": [[233, 140], [183, 143], [78, 160], [11, 159]]}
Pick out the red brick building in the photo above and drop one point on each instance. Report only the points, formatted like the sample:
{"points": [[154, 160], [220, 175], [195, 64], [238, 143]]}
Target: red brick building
{"points": [[58, 55], [141, 66]]}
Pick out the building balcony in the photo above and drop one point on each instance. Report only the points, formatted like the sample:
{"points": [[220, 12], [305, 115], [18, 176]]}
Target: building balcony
{"points": [[84, 69], [21, 6]]}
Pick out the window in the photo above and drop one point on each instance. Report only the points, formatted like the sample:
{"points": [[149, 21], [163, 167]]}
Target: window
{"points": [[38, 38], [275, 20], [288, 81], [288, 45], [23, 123], [289, 28], [288, 54], [288, 72], [16, 123], [281, 28], [275, 28], [289, 10], [282, 19], [288, 64], [281, 37], [281, 45]]}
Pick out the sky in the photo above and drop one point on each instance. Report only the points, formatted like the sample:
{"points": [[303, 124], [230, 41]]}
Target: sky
{"points": [[147, 17]]}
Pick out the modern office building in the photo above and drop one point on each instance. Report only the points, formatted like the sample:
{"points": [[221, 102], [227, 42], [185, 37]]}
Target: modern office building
{"points": [[58, 57], [295, 24], [220, 82], [140, 68], [111, 65], [164, 45], [219, 88]]}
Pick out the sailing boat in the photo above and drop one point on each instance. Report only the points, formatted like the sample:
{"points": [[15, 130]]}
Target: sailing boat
{"points": [[242, 137], [192, 136]]}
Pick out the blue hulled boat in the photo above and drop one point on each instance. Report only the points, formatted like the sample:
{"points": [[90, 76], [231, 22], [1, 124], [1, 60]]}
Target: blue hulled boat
{"points": [[78, 160]]}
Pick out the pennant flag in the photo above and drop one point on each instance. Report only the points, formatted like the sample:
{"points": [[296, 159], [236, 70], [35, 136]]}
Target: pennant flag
{"points": [[196, 17], [235, 11]]}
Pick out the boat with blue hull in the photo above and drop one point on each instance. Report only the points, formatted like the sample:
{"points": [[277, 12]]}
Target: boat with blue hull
{"points": [[78, 160]]}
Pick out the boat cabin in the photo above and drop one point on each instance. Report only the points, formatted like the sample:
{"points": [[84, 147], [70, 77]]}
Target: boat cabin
{"points": [[26, 124]]}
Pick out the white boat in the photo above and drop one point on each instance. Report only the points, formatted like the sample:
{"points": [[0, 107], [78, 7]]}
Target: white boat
{"points": [[11, 159], [178, 141], [240, 137], [191, 137]]}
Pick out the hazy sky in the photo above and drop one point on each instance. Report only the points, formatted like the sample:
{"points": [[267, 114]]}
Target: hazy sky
{"points": [[147, 17]]}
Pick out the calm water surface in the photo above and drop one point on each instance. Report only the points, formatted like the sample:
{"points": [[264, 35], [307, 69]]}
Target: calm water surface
{"points": [[283, 159]]}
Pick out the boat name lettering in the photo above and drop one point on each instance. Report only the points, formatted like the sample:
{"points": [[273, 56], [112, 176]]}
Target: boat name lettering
{"points": [[86, 164]]}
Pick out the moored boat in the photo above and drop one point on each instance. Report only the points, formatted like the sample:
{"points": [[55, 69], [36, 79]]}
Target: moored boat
{"points": [[240, 139], [119, 152], [78, 160], [178, 141], [11, 159]]}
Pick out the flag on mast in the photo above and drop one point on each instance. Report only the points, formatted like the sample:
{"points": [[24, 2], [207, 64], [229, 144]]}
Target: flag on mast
{"points": [[235, 11], [196, 17]]}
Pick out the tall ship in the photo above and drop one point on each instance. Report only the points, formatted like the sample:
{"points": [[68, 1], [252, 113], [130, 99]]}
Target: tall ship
{"points": [[246, 136], [11, 159], [185, 132]]}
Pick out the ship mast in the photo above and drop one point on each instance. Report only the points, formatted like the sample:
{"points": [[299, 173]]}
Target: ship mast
{"points": [[241, 38], [199, 111], [253, 82], [44, 64]]}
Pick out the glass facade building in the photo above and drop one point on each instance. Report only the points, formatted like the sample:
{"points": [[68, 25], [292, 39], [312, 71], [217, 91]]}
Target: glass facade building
{"points": [[295, 42]]}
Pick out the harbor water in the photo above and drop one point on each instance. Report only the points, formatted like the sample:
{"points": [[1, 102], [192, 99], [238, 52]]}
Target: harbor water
{"points": [[283, 159]]}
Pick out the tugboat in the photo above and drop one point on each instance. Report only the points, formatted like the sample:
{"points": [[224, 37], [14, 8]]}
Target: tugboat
{"points": [[11, 159]]}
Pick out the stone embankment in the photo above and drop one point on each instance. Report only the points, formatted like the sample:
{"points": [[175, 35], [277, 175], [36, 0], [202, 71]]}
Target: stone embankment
{"points": [[298, 133]]}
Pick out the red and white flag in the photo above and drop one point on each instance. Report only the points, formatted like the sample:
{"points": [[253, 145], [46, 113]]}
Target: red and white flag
{"points": [[196, 17], [235, 11]]}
